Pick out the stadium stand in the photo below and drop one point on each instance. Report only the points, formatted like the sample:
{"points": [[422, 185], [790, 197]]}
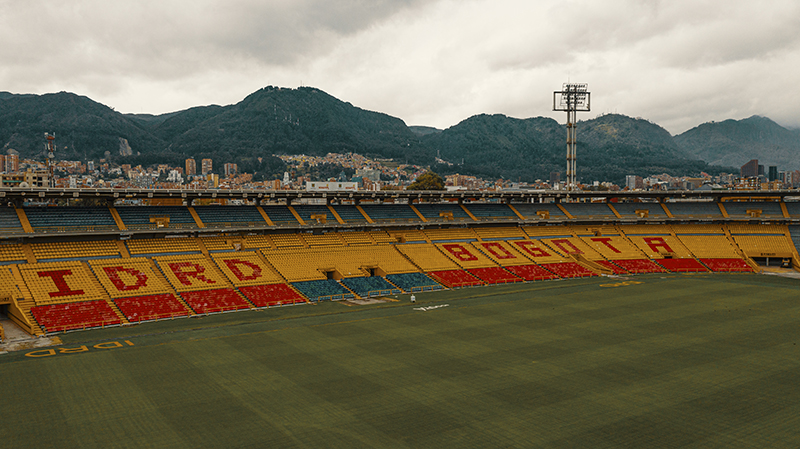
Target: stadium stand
{"points": [[686, 265], [390, 213], [257, 241], [727, 265], [367, 287], [60, 282], [682, 229], [151, 307], [191, 273], [547, 231], [230, 216], [645, 229], [589, 210], [465, 255], [597, 231], [754, 229], [154, 217], [408, 236], [636, 266], [289, 240], [11, 253], [129, 277], [221, 244], [325, 239], [710, 246], [616, 269], [502, 253], [272, 295], [215, 301], [322, 289], [427, 257], [763, 209], [491, 211], [793, 207], [280, 215], [568, 270], [537, 251], [628, 210], [350, 214], [162, 246], [356, 238], [531, 211], [494, 275], [74, 250], [382, 237], [499, 233], [613, 247], [569, 246], [9, 221], [77, 315], [246, 268], [455, 278], [74, 219], [531, 272], [705, 209], [460, 234], [413, 282], [305, 211], [764, 245], [660, 246], [442, 212]]}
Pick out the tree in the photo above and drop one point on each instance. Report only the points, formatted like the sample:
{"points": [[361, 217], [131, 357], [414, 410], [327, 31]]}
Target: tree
{"points": [[428, 181]]}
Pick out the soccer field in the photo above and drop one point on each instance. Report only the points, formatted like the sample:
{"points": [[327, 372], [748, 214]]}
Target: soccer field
{"points": [[657, 361]]}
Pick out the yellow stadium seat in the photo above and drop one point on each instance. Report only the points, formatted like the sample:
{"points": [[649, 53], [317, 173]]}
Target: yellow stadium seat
{"points": [[191, 272], [60, 282], [128, 277]]}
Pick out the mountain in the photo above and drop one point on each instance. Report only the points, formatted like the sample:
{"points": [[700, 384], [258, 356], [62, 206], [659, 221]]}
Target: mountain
{"points": [[734, 142], [609, 148], [424, 130]]}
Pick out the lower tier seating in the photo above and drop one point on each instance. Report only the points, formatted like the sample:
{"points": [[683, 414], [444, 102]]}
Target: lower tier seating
{"points": [[370, 286], [568, 270], [612, 266], [455, 278], [682, 265], [271, 295], [413, 282], [214, 301], [76, 315], [727, 265], [531, 272], [320, 290], [494, 275], [639, 266], [151, 307]]}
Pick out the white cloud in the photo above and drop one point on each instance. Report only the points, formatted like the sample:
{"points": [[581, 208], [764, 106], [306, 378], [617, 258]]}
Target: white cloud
{"points": [[678, 63]]}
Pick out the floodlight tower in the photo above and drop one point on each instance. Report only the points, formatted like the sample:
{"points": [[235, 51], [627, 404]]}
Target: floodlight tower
{"points": [[572, 97], [50, 147]]}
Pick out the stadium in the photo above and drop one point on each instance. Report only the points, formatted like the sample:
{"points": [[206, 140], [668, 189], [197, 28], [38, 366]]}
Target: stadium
{"points": [[648, 302]]}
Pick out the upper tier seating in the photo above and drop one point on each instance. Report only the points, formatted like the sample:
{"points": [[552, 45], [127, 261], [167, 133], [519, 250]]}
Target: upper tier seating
{"points": [[230, 216], [77, 315], [494, 275], [390, 213], [745, 228], [530, 210], [280, 215], [246, 268], [433, 211], [413, 282], [427, 257], [60, 282], [589, 210], [71, 250], [151, 307], [189, 273], [769, 209], [305, 211], [502, 253], [455, 278], [793, 207], [215, 301], [547, 231], [62, 219], [491, 211], [500, 233], [531, 272], [162, 246], [596, 230], [326, 239], [350, 214], [129, 277], [710, 246], [682, 229], [705, 209], [438, 235], [11, 252], [149, 217], [271, 295], [322, 289], [628, 210], [613, 247], [370, 286], [646, 229], [465, 255], [765, 245], [656, 247], [9, 221]]}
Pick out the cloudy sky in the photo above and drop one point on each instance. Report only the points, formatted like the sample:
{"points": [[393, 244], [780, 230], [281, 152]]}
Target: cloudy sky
{"points": [[678, 63]]}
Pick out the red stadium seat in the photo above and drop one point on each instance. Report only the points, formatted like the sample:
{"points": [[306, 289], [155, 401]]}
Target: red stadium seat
{"points": [[151, 307], [213, 301], [531, 272], [726, 265], [569, 270], [494, 275], [76, 315], [682, 265], [271, 295], [455, 278], [611, 266], [639, 266]]}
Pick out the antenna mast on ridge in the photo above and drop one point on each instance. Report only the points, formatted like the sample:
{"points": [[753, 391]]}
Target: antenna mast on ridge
{"points": [[50, 147], [572, 98]]}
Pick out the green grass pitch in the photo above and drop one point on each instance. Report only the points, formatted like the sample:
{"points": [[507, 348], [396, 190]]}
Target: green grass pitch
{"points": [[665, 361]]}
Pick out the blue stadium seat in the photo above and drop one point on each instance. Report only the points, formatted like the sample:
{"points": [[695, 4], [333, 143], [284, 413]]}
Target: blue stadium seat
{"points": [[370, 286], [73, 218], [139, 217]]}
